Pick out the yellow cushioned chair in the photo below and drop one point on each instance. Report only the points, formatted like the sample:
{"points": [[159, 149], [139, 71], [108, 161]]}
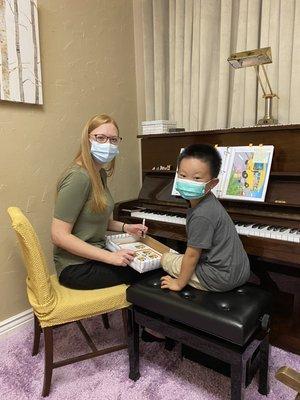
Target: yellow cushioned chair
{"points": [[55, 305]]}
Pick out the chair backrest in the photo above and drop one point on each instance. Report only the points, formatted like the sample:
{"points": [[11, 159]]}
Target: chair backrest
{"points": [[39, 289]]}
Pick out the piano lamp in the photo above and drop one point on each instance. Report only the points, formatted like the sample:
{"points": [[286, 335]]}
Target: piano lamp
{"points": [[255, 58]]}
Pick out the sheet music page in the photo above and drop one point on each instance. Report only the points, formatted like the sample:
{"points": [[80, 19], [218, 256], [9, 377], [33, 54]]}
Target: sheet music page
{"points": [[217, 190], [247, 173], [174, 191]]}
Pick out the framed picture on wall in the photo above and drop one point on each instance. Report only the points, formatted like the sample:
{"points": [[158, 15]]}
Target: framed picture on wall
{"points": [[20, 71]]}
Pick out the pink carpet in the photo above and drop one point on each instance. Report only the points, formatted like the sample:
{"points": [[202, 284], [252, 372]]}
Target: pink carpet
{"points": [[163, 375]]}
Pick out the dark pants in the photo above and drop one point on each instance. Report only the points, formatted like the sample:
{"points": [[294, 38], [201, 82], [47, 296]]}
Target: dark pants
{"points": [[98, 275]]}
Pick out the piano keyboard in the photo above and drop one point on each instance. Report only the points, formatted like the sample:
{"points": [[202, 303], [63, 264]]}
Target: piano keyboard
{"points": [[163, 217], [247, 229]]}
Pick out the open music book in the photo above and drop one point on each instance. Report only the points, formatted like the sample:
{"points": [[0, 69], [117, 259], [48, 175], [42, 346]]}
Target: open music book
{"points": [[244, 173]]}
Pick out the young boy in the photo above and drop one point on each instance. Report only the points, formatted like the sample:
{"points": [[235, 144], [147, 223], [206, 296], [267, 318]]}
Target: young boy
{"points": [[215, 258]]}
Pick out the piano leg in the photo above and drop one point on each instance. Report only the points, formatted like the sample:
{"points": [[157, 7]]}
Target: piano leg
{"points": [[260, 269], [133, 346]]}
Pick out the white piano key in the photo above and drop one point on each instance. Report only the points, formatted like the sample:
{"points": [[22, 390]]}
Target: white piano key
{"points": [[265, 233], [249, 230]]}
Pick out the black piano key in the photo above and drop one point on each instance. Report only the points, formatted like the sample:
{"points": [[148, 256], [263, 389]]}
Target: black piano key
{"points": [[262, 226], [270, 228], [294, 230], [282, 229], [276, 228]]}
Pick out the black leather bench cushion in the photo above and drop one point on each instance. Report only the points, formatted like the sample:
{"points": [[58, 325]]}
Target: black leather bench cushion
{"points": [[233, 316]]}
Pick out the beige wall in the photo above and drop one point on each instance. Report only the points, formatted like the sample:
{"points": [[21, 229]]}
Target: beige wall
{"points": [[87, 51]]}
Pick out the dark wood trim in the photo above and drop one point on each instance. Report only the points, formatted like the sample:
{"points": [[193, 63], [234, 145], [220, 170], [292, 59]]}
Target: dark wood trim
{"points": [[251, 130]]}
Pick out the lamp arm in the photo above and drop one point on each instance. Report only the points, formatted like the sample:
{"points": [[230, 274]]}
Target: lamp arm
{"points": [[267, 79], [256, 67]]}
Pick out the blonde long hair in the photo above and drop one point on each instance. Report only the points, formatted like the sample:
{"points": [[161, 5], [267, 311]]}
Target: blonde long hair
{"points": [[84, 158]]}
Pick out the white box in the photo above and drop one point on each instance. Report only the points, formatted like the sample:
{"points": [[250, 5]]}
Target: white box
{"points": [[148, 250]]}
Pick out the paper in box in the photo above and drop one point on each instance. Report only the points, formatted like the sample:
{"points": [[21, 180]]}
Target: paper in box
{"points": [[148, 251]]}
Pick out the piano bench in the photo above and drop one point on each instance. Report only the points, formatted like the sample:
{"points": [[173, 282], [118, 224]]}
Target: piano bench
{"points": [[232, 327]]}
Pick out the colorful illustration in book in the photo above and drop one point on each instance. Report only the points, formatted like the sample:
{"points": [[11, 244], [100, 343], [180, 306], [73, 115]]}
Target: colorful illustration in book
{"points": [[248, 174]]}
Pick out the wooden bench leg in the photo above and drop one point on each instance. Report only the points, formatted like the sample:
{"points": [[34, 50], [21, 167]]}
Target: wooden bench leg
{"points": [[48, 338], [238, 374], [37, 335], [263, 385], [133, 346]]}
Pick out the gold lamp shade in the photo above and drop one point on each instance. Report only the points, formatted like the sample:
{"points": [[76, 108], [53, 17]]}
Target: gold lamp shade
{"points": [[250, 58], [255, 58]]}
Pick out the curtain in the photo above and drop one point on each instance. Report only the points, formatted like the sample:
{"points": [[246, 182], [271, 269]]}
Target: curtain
{"points": [[184, 49]]}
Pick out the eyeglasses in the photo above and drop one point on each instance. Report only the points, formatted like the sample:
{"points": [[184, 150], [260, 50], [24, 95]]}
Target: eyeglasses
{"points": [[103, 139]]}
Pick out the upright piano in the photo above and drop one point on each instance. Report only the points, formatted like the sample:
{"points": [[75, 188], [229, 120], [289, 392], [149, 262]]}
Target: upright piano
{"points": [[270, 231]]}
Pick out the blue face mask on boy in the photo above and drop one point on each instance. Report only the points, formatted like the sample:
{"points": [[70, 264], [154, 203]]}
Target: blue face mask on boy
{"points": [[103, 152], [190, 190]]}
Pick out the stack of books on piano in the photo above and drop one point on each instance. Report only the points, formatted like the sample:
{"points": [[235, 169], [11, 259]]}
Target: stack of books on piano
{"points": [[157, 126]]}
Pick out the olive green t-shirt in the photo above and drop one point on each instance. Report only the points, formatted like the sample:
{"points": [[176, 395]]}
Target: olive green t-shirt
{"points": [[73, 205]]}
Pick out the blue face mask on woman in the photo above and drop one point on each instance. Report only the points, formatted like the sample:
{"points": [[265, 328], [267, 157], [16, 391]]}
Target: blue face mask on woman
{"points": [[190, 190], [104, 152]]}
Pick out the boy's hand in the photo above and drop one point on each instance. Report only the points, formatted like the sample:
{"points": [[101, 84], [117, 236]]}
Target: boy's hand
{"points": [[171, 283]]}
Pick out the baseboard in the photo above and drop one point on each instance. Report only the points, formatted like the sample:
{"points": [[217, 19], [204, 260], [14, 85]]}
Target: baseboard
{"points": [[16, 321]]}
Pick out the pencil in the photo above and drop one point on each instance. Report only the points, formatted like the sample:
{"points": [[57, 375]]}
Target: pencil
{"points": [[144, 235]]}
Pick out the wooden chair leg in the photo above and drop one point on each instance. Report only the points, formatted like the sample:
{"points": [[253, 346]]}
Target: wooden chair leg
{"points": [[37, 335], [105, 321], [48, 338], [263, 385], [125, 322]]}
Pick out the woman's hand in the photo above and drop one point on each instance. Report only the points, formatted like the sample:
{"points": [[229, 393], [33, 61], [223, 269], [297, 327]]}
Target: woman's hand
{"points": [[171, 283], [136, 229], [121, 258]]}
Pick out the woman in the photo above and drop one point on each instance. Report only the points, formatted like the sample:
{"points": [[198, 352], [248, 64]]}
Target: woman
{"points": [[83, 211]]}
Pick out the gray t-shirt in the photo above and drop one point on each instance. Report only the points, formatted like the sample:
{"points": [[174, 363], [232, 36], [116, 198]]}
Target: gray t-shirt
{"points": [[223, 264]]}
